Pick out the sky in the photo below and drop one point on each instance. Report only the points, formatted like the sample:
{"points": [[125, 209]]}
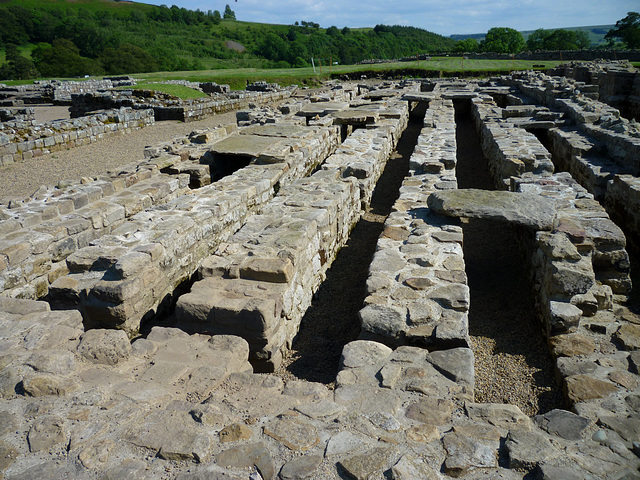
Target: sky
{"points": [[446, 17]]}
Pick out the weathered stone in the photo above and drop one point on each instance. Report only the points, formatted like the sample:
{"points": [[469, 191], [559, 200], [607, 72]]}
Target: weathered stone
{"points": [[367, 400], [374, 462], [235, 432], [363, 353], [502, 416], [470, 448], [412, 468], [47, 432], [423, 433], [624, 379], [563, 424], [455, 364], [96, 455], [628, 428], [634, 361], [452, 295], [321, 410], [532, 211], [433, 411], [550, 472], [57, 363], [8, 423], [247, 456], [294, 434], [173, 435], [344, 442], [528, 449], [564, 316], [628, 336], [580, 388], [107, 347], [8, 455], [382, 324], [38, 385], [300, 468], [571, 345]]}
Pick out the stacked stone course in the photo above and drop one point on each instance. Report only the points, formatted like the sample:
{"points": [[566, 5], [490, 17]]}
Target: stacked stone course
{"points": [[262, 280], [21, 141], [166, 107]]}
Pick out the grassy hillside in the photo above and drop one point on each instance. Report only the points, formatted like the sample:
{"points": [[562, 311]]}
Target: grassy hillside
{"points": [[106, 36], [596, 33]]}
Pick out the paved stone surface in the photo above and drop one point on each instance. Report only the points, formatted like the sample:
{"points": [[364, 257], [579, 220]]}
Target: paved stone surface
{"points": [[531, 211]]}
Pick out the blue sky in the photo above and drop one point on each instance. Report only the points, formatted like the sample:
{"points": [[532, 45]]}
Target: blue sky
{"points": [[445, 17]]}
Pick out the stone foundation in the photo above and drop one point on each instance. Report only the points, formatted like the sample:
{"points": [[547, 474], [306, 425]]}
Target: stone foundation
{"points": [[23, 142]]}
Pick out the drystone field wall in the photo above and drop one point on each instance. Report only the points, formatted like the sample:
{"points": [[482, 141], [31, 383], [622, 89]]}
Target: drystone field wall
{"points": [[184, 403], [23, 141]]}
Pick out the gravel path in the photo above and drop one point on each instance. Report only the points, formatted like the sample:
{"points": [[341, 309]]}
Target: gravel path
{"points": [[512, 362], [22, 179]]}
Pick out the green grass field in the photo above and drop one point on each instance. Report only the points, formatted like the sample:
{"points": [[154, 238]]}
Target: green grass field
{"points": [[239, 77]]}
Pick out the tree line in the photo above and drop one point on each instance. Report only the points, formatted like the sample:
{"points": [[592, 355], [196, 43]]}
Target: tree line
{"points": [[626, 34], [68, 42]]}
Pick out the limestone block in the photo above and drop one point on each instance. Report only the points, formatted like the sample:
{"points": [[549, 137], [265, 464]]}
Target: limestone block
{"points": [[108, 347]]}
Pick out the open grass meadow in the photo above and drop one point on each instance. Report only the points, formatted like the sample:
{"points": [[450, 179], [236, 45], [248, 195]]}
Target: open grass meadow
{"points": [[238, 78]]}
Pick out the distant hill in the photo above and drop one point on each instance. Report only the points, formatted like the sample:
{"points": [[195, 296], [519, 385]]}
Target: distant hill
{"points": [[596, 33], [113, 37]]}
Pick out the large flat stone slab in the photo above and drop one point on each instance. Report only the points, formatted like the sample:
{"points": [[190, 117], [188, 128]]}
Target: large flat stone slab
{"points": [[246, 145], [532, 211]]}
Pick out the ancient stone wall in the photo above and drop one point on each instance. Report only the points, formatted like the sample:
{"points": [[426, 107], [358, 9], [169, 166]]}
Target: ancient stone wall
{"points": [[171, 108], [24, 116], [417, 292], [261, 281], [24, 142], [618, 82]]}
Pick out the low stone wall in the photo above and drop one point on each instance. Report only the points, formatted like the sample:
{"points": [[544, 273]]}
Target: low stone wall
{"points": [[417, 290], [622, 201], [17, 145], [578, 268], [601, 151], [260, 283], [159, 248], [25, 116], [512, 150], [618, 82], [166, 107]]}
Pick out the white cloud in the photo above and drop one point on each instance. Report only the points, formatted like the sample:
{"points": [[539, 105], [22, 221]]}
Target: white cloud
{"points": [[446, 17]]}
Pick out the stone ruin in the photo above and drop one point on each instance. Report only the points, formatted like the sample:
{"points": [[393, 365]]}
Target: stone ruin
{"points": [[98, 111], [144, 311]]}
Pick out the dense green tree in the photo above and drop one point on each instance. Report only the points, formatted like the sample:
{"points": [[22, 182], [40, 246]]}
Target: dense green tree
{"points": [[217, 18], [558, 40], [627, 30], [127, 58], [502, 40], [228, 13], [62, 58], [466, 45], [17, 67]]}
